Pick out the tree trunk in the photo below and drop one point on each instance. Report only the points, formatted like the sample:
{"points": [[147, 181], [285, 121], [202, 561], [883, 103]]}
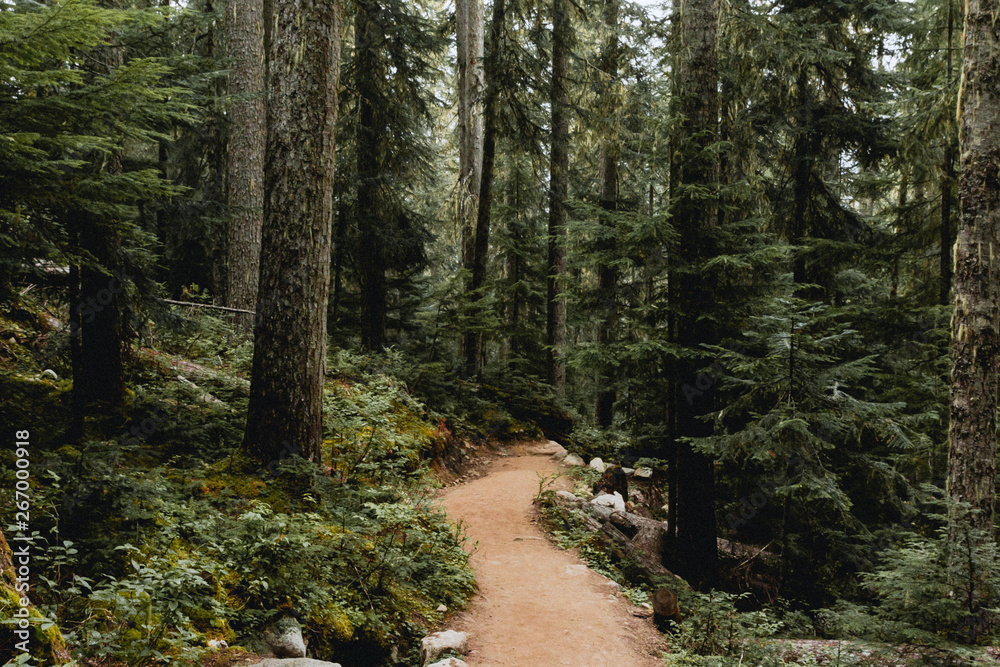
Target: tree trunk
{"points": [[480, 251], [558, 192], [607, 274], [696, 86], [947, 178], [469, 47], [99, 378], [244, 26], [285, 414], [367, 41], [975, 344]]}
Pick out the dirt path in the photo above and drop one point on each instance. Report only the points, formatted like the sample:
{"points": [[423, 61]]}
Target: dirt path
{"points": [[537, 606]]}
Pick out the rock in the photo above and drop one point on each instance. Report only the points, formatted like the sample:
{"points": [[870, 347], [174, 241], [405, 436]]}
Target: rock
{"points": [[573, 460], [560, 452], [443, 608], [642, 612], [48, 372], [450, 662], [644, 473], [434, 645], [628, 471], [294, 662], [217, 644], [284, 638], [566, 495], [614, 501], [548, 447], [597, 464]]}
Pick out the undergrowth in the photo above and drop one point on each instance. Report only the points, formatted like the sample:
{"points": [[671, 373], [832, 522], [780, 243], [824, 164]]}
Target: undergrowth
{"points": [[156, 534]]}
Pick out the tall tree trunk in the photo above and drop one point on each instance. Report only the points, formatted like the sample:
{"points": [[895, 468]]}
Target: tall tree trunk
{"points": [[607, 274], [558, 191], [975, 343], [947, 176], [469, 47], [367, 41], [696, 86], [244, 26], [99, 376], [481, 247], [285, 414]]}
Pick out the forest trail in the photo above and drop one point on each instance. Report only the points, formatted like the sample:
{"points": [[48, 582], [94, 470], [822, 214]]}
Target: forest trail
{"points": [[538, 606]]}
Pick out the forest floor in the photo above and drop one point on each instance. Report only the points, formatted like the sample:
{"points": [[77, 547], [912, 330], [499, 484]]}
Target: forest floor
{"points": [[537, 604]]}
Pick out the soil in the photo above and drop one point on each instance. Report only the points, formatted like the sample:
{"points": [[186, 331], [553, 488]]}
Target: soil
{"points": [[537, 605]]}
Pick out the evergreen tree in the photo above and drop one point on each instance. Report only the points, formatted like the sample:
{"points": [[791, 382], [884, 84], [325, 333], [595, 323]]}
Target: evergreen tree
{"points": [[558, 193], [285, 414], [975, 342], [244, 22]]}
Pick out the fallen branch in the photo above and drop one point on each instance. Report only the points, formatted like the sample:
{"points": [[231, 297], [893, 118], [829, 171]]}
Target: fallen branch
{"points": [[208, 305]]}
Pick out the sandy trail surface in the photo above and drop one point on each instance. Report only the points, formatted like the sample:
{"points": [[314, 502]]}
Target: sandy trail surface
{"points": [[537, 605]]}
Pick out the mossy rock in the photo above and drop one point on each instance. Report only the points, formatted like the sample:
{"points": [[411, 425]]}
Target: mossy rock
{"points": [[44, 640]]}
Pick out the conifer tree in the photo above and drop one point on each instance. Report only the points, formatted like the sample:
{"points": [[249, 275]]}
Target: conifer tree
{"points": [[975, 339], [285, 413], [558, 194], [244, 22]]}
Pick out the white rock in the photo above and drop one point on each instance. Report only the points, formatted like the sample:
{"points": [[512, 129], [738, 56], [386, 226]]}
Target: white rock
{"points": [[434, 645], [559, 452], [628, 471], [614, 501], [48, 372], [218, 643], [573, 460], [644, 473], [567, 496], [597, 464], [284, 639], [294, 662], [443, 608], [450, 662]]}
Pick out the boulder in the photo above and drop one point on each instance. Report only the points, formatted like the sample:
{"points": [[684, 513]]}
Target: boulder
{"points": [[573, 460], [614, 501], [450, 662], [644, 473], [566, 495], [559, 452], [597, 464], [434, 645], [284, 638]]}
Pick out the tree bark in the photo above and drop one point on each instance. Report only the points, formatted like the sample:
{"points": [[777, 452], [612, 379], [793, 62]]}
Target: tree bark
{"points": [[469, 47], [285, 414], [975, 343], [696, 92], [607, 274], [244, 26], [558, 192], [947, 177], [480, 251], [99, 377]]}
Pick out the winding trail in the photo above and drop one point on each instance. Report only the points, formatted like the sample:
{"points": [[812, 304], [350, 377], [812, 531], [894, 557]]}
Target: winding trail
{"points": [[538, 606]]}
